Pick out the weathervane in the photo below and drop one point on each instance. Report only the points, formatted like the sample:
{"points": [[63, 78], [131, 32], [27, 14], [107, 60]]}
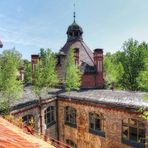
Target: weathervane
{"points": [[74, 14]]}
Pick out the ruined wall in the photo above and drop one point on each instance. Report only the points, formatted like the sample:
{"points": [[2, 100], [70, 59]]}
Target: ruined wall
{"points": [[81, 136]]}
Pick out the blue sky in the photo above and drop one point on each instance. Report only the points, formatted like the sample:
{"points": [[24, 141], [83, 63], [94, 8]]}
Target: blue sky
{"points": [[29, 25]]}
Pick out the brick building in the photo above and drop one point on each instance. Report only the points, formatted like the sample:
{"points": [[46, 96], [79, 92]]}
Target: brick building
{"points": [[90, 118], [90, 63], [87, 118]]}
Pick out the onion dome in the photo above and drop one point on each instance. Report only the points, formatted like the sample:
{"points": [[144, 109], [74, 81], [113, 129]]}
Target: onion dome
{"points": [[74, 32]]}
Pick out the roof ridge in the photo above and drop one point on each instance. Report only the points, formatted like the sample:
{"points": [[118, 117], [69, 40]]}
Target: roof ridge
{"points": [[87, 51]]}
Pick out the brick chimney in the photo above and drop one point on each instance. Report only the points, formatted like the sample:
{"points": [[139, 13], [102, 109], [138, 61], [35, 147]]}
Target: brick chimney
{"points": [[76, 55], [21, 73], [98, 59], [34, 61]]}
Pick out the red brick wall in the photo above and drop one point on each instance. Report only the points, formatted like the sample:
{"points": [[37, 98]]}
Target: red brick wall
{"points": [[88, 81], [99, 80]]}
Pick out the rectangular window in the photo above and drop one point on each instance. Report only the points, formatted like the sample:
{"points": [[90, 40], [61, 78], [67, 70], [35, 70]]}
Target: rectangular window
{"points": [[70, 116], [95, 126], [133, 133]]}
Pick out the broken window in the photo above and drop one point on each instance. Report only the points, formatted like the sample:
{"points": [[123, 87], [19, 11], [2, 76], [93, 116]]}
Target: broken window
{"points": [[133, 132]]}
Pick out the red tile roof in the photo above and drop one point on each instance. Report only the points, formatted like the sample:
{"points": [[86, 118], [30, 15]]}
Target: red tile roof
{"points": [[13, 137]]}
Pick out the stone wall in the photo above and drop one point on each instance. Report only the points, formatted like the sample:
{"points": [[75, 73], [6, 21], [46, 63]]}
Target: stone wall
{"points": [[81, 135]]}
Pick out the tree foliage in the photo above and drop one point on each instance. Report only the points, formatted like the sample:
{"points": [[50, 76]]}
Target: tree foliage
{"points": [[28, 71], [72, 73], [128, 69], [113, 69], [10, 87], [45, 75]]}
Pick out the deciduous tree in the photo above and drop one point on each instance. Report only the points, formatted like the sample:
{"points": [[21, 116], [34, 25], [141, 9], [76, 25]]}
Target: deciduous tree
{"points": [[11, 88], [45, 76], [72, 73]]}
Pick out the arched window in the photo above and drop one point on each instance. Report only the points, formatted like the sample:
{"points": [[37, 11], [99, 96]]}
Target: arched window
{"points": [[96, 124], [29, 120], [133, 133], [49, 116], [71, 143], [70, 116]]}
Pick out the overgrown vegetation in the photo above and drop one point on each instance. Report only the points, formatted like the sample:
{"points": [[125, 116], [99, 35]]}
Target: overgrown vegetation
{"points": [[72, 73]]}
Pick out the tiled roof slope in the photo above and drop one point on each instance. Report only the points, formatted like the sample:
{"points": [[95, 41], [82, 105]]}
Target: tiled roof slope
{"points": [[13, 137], [85, 54]]}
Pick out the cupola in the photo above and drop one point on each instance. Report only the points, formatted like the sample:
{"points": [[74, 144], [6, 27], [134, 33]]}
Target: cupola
{"points": [[74, 31]]}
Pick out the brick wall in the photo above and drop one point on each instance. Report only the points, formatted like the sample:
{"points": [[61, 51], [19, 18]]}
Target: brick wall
{"points": [[88, 81], [81, 135]]}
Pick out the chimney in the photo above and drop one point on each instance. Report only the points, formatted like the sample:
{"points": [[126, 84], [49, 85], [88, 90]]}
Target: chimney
{"points": [[76, 55], [98, 59], [21, 73], [34, 61]]}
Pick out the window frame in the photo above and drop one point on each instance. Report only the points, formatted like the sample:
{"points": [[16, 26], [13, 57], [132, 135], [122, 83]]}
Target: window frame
{"points": [[49, 116], [70, 113], [128, 140], [100, 131]]}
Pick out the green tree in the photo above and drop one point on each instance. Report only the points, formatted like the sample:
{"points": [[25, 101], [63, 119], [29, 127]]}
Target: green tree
{"points": [[143, 77], [45, 76], [113, 69], [133, 63], [28, 71], [72, 73], [10, 87]]}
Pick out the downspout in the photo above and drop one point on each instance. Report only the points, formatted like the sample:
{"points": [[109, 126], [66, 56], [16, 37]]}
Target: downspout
{"points": [[40, 115], [57, 118]]}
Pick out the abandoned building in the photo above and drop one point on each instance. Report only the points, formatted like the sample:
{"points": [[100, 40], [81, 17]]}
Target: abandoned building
{"points": [[90, 118], [90, 63], [87, 118]]}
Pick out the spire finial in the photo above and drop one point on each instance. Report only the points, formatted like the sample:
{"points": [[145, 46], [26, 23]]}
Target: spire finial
{"points": [[74, 13]]}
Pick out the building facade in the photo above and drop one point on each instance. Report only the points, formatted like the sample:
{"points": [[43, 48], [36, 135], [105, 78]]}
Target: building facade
{"points": [[88, 119], [90, 63]]}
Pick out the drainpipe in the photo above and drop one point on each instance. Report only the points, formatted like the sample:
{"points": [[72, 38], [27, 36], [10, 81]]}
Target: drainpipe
{"points": [[40, 115], [57, 119]]}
